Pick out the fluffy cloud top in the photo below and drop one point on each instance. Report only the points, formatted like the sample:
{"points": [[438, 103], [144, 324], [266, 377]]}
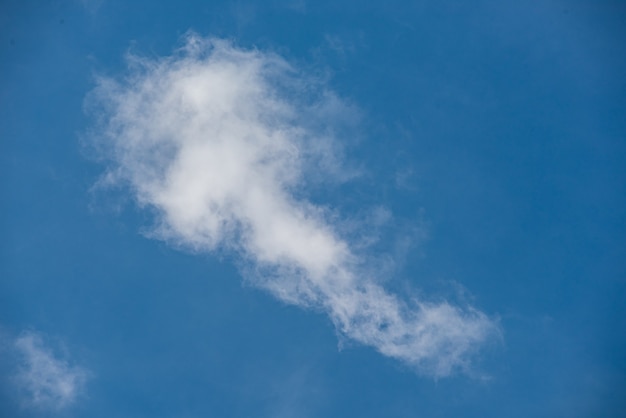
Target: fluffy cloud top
{"points": [[218, 142], [45, 380]]}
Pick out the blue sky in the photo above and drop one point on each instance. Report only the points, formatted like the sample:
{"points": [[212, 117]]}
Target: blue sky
{"points": [[312, 209]]}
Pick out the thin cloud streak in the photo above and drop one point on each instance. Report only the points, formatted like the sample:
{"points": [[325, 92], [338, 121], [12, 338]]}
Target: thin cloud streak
{"points": [[218, 141], [44, 380]]}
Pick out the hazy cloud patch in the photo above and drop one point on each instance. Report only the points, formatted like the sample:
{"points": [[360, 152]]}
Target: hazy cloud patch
{"points": [[42, 378]]}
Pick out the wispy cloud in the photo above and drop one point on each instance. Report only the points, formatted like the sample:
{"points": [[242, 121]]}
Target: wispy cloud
{"points": [[219, 143], [43, 379], [92, 6]]}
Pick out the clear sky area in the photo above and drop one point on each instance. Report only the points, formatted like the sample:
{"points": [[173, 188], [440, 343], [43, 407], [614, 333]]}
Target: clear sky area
{"points": [[299, 209]]}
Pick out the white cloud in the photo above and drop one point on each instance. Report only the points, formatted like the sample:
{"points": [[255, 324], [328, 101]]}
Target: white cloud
{"points": [[219, 142], [43, 379]]}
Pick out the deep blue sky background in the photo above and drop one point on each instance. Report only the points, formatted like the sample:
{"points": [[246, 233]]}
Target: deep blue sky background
{"points": [[494, 132]]}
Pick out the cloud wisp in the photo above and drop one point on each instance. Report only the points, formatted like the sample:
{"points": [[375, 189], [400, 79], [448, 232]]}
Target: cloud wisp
{"points": [[219, 142], [44, 380]]}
